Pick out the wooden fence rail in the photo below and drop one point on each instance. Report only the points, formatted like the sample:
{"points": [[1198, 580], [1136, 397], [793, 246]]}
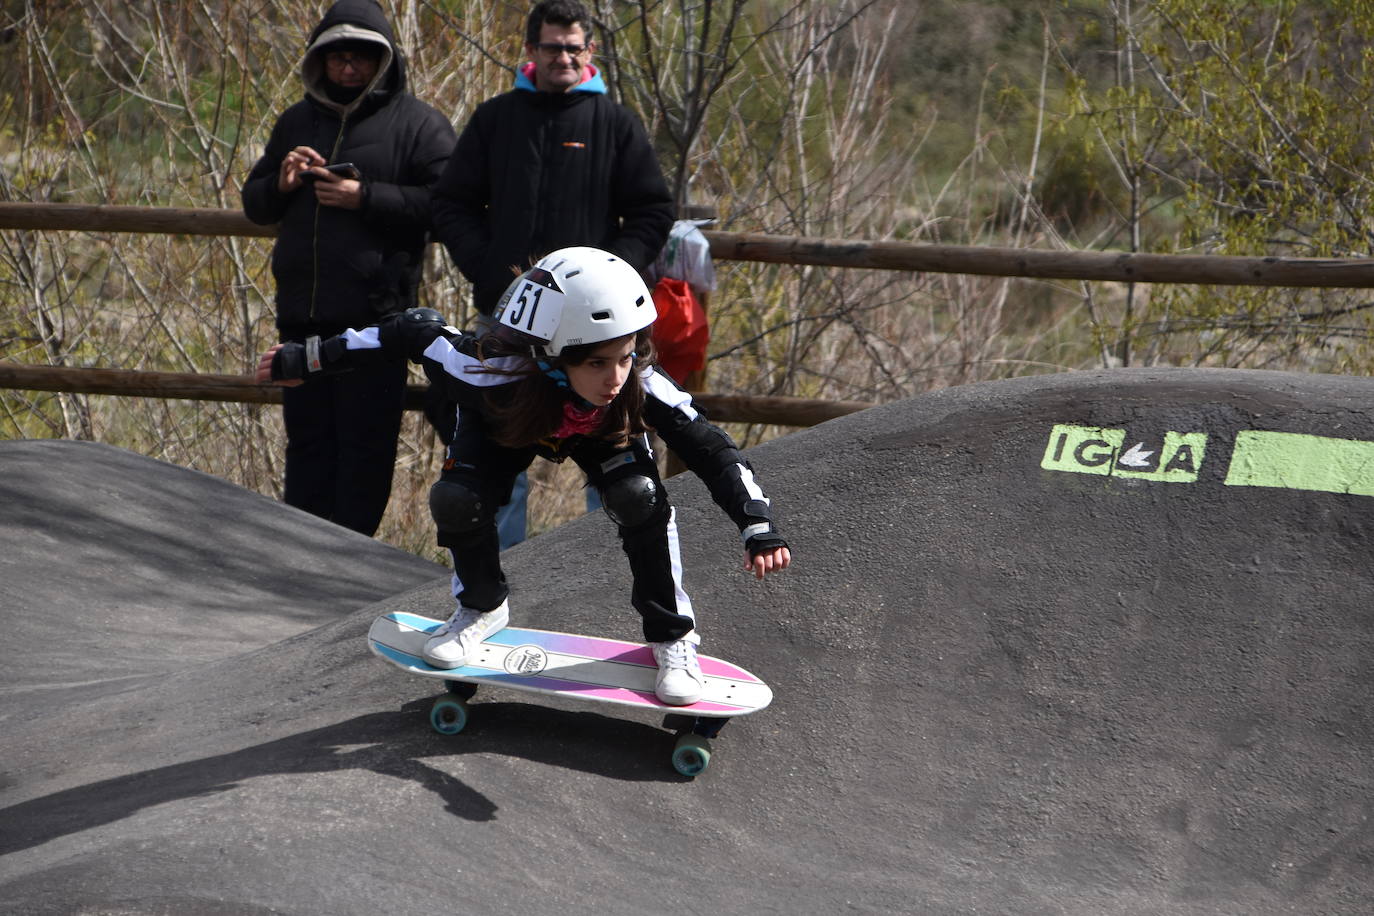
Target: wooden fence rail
{"points": [[242, 388], [1122, 267]]}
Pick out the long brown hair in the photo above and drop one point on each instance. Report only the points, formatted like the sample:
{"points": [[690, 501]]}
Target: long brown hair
{"points": [[530, 409]]}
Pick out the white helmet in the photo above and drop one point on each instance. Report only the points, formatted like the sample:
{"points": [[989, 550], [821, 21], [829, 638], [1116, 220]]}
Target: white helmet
{"points": [[576, 296]]}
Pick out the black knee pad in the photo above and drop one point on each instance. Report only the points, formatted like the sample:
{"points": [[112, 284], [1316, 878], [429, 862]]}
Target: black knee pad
{"points": [[456, 508], [634, 500]]}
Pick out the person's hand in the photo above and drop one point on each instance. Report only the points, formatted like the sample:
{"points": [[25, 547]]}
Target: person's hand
{"points": [[775, 560], [263, 375], [296, 161], [336, 191]]}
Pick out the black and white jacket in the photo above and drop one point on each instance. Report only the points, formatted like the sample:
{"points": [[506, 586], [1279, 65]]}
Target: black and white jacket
{"points": [[451, 361]]}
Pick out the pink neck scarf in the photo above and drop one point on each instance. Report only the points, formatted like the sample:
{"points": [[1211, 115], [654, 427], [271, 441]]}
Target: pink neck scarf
{"points": [[579, 421]]}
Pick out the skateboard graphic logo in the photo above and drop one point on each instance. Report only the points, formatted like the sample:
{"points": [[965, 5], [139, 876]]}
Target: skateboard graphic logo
{"points": [[526, 660]]}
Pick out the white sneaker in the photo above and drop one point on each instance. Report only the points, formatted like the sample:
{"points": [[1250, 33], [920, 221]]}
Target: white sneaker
{"points": [[679, 681], [449, 646]]}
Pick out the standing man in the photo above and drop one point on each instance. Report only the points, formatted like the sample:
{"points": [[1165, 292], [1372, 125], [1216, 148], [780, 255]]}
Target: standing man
{"points": [[553, 163], [347, 176]]}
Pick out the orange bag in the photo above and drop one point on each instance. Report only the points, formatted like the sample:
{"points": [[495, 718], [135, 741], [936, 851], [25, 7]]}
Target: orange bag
{"points": [[681, 332]]}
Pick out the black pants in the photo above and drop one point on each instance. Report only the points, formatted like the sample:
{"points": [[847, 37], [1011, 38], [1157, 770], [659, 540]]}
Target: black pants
{"points": [[489, 470], [341, 444]]}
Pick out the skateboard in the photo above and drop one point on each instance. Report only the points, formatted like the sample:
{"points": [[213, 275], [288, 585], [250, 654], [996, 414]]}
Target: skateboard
{"points": [[586, 667]]}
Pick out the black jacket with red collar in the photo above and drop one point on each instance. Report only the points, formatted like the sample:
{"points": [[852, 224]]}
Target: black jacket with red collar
{"points": [[537, 171]]}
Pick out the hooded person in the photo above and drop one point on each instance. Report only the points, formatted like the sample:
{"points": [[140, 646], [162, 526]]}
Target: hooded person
{"points": [[347, 176]]}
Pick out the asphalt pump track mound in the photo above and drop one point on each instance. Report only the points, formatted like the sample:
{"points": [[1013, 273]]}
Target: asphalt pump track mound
{"points": [[1089, 643]]}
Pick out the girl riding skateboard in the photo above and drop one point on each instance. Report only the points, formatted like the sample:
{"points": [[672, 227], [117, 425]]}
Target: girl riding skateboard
{"points": [[566, 371]]}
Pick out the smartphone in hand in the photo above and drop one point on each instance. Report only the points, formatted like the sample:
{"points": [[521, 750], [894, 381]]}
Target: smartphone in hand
{"points": [[342, 169]]}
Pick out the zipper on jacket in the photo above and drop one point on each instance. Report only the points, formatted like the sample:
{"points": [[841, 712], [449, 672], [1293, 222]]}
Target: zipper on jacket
{"points": [[315, 230]]}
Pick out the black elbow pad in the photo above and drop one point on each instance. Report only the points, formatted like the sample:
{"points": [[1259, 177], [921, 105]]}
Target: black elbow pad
{"points": [[411, 330]]}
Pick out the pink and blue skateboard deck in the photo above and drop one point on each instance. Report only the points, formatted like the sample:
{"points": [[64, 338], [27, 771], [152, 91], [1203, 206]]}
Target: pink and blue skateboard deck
{"points": [[585, 667]]}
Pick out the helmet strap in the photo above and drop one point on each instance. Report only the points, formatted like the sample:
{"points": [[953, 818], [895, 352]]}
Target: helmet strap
{"points": [[558, 376]]}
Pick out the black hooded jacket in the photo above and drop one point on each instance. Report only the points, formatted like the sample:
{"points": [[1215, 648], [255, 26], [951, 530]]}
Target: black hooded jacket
{"points": [[337, 268]]}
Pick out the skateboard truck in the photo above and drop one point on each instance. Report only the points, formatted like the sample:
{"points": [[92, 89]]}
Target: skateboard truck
{"points": [[706, 726]]}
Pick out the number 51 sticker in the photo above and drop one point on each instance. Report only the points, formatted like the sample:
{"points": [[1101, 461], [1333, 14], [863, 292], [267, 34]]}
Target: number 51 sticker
{"points": [[533, 309]]}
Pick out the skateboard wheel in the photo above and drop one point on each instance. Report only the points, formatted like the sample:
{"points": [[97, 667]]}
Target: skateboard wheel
{"points": [[448, 715], [692, 755]]}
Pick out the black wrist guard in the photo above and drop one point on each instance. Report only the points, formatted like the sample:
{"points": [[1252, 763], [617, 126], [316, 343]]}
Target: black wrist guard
{"points": [[289, 363], [763, 542]]}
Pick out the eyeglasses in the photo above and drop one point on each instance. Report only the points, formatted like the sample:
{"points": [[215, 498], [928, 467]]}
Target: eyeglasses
{"points": [[553, 49], [340, 59]]}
